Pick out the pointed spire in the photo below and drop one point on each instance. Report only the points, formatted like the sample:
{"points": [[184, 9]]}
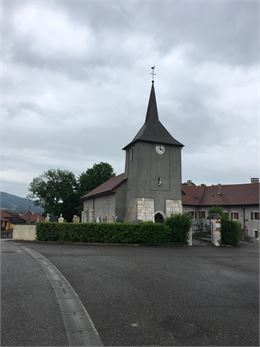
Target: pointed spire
{"points": [[153, 131], [152, 112]]}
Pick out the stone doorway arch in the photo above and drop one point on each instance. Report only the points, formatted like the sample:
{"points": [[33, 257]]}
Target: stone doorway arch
{"points": [[158, 217]]}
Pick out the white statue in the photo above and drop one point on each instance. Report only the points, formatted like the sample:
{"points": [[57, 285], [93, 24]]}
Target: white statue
{"points": [[60, 219], [47, 218], [75, 219]]}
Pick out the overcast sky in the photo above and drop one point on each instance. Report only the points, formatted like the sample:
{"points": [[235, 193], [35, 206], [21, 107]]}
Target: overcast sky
{"points": [[75, 85]]}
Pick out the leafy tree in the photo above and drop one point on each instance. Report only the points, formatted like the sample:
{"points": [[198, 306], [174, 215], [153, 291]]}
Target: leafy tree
{"points": [[215, 211], [94, 176], [57, 192]]}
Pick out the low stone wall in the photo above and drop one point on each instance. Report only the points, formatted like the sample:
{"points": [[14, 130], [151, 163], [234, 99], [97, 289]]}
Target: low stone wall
{"points": [[24, 232]]}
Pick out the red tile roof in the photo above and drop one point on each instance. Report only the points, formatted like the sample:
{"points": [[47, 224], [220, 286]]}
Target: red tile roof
{"points": [[191, 195], [31, 217], [4, 214], [21, 217], [4, 219], [106, 187], [227, 194], [222, 195], [13, 217]]}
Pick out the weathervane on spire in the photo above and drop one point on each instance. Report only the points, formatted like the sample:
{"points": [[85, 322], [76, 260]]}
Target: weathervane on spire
{"points": [[152, 73]]}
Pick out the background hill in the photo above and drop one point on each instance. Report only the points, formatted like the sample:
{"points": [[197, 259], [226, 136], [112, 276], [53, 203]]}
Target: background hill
{"points": [[10, 202]]}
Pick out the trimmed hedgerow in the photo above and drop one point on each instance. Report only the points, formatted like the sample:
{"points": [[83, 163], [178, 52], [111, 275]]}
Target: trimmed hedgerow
{"points": [[180, 226], [230, 232], [144, 233]]}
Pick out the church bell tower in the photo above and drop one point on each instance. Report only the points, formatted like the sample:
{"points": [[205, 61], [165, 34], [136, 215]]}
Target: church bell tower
{"points": [[153, 170]]}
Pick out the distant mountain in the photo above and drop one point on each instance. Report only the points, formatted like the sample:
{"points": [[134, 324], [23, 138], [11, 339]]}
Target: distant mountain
{"points": [[10, 202]]}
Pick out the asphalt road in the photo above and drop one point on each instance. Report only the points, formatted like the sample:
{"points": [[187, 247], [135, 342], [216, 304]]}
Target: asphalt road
{"points": [[30, 314], [198, 296]]}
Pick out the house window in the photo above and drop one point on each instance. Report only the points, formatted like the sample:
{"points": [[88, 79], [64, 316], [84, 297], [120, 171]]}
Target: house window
{"points": [[255, 215], [202, 214], [234, 215], [191, 214]]}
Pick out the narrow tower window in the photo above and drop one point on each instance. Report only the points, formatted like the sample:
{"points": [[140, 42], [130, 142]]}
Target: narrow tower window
{"points": [[159, 182], [131, 154]]}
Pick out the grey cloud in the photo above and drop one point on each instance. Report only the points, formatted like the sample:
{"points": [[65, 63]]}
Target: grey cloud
{"points": [[225, 31], [71, 110]]}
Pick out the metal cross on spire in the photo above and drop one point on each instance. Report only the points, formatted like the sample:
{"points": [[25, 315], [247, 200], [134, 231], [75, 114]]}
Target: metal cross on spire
{"points": [[152, 73]]}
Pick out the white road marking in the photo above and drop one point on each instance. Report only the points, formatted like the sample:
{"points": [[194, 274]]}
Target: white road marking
{"points": [[79, 327]]}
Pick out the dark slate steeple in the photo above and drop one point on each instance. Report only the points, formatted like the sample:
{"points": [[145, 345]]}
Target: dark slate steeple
{"points": [[153, 130], [152, 113]]}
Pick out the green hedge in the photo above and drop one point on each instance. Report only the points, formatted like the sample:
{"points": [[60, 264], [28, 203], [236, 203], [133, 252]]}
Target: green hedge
{"points": [[230, 232], [144, 233], [180, 226]]}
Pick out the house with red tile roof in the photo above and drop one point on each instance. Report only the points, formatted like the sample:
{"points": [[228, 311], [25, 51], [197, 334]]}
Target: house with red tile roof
{"points": [[9, 219], [239, 202]]}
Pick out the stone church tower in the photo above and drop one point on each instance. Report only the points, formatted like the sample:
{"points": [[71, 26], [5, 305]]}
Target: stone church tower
{"points": [[150, 187], [153, 170]]}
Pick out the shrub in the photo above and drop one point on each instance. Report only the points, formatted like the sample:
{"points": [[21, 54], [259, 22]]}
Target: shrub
{"points": [[230, 232], [144, 233], [180, 225]]}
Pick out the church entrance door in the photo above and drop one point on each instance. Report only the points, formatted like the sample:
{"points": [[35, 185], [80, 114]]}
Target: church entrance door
{"points": [[158, 218]]}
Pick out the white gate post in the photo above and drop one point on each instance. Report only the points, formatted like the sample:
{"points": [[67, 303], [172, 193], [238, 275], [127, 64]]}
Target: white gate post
{"points": [[190, 237], [215, 232]]}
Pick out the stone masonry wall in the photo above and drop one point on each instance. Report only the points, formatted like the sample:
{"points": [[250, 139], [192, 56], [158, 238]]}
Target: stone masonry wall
{"points": [[145, 209]]}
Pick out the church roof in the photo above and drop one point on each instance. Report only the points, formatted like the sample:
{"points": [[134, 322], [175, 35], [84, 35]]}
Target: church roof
{"points": [[107, 187], [221, 195], [153, 130]]}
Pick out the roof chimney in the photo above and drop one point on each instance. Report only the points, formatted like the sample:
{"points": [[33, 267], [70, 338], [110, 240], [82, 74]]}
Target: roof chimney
{"points": [[219, 189], [254, 180]]}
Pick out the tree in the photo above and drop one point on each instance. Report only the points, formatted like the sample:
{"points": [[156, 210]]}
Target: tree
{"points": [[94, 176], [216, 211], [57, 192]]}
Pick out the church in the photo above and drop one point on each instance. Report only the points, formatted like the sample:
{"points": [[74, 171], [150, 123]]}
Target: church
{"points": [[150, 189]]}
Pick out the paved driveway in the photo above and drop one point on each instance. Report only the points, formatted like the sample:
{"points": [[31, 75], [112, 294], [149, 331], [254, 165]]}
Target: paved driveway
{"points": [[164, 296]]}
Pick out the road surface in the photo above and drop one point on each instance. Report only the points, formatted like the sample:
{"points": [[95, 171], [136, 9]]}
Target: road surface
{"points": [[168, 296]]}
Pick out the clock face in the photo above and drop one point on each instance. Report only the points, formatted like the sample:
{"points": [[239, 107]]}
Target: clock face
{"points": [[160, 149]]}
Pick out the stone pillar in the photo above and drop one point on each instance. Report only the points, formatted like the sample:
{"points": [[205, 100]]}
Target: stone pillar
{"points": [[215, 232]]}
